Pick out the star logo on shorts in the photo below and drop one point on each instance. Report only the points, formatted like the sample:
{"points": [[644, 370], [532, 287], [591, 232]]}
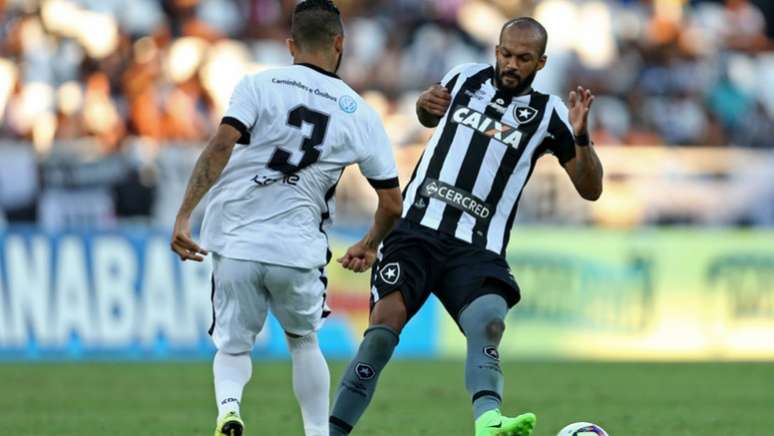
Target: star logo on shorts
{"points": [[390, 273], [364, 371], [524, 114]]}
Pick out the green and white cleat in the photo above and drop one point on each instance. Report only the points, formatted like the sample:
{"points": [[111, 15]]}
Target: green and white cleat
{"points": [[230, 425], [492, 423]]}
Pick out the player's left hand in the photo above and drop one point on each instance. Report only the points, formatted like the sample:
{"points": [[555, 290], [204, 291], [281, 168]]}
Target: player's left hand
{"points": [[580, 104], [358, 258], [182, 243]]}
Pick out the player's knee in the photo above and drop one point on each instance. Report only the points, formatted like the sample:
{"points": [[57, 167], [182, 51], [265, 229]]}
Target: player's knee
{"points": [[495, 329], [299, 342], [393, 319], [391, 312], [307, 332]]}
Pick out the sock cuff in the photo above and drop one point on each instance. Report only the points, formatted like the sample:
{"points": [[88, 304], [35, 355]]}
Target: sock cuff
{"points": [[223, 353], [340, 424], [493, 394], [383, 327]]}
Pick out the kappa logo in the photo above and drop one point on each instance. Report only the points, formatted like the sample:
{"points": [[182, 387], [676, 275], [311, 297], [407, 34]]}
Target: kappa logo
{"points": [[478, 95], [492, 352], [390, 273], [421, 204], [498, 106], [364, 371], [524, 114]]}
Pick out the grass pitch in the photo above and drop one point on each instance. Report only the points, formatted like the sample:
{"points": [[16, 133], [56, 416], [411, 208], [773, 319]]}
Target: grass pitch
{"points": [[414, 398]]}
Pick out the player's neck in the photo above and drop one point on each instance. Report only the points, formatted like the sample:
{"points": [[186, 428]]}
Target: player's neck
{"points": [[318, 61]]}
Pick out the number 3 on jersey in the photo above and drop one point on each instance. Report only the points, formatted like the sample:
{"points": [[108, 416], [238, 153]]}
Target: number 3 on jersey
{"points": [[280, 160]]}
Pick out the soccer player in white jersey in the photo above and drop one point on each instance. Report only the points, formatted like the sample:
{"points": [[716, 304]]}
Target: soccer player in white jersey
{"points": [[271, 170]]}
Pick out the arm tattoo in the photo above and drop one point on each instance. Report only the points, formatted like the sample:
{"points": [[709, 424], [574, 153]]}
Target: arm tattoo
{"points": [[208, 168]]}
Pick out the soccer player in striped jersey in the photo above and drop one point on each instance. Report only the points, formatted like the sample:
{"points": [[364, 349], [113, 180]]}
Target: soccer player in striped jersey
{"points": [[458, 211], [272, 170]]}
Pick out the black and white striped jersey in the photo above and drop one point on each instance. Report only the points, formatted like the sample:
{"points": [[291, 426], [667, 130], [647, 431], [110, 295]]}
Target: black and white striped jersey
{"points": [[470, 177]]}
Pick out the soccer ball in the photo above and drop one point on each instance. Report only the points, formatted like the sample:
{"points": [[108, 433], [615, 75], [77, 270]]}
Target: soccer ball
{"points": [[582, 429]]}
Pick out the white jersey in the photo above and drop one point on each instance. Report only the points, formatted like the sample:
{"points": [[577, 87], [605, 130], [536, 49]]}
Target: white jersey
{"points": [[301, 126]]}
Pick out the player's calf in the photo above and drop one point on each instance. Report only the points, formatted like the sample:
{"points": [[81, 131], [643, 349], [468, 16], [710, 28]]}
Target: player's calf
{"points": [[482, 322], [359, 380], [311, 382], [358, 383], [390, 311], [231, 373]]}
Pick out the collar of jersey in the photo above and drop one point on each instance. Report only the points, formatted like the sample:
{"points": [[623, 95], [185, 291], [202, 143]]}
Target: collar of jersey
{"points": [[510, 95], [319, 70]]}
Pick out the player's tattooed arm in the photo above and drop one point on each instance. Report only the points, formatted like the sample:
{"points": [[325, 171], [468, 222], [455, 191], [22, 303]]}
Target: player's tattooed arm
{"points": [[387, 214], [208, 168], [432, 105], [585, 169], [362, 255]]}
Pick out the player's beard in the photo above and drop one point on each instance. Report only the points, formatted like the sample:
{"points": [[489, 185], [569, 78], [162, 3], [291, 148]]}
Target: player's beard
{"points": [[523, 85]]}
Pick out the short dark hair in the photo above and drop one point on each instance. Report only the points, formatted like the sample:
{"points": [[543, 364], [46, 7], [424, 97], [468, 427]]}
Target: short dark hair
{"points": [[315, 24], [524, 23]]}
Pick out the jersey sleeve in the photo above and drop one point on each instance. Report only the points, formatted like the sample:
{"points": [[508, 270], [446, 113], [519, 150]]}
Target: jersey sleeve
{"points": [[242, 112], [560, 138], [450, 79], [377, 162]]}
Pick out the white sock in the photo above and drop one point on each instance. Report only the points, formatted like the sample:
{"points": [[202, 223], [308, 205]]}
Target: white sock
{"points": [[232, 372], [311, 383]]}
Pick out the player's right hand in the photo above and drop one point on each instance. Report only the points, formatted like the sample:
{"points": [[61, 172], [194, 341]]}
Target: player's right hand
{"points": [[435, 100], [358, 258], [182, 243]]}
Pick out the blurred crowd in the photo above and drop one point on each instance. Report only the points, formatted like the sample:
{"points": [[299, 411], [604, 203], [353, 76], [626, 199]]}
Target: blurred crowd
{"points": [[667, 71], [105, 78]]}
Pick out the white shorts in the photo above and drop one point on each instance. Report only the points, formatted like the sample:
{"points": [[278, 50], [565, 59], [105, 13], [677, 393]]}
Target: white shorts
{"points": [[243, 291]]}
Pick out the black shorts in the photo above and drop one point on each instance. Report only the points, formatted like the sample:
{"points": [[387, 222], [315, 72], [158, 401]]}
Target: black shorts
{"points": [[417, 260]]}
